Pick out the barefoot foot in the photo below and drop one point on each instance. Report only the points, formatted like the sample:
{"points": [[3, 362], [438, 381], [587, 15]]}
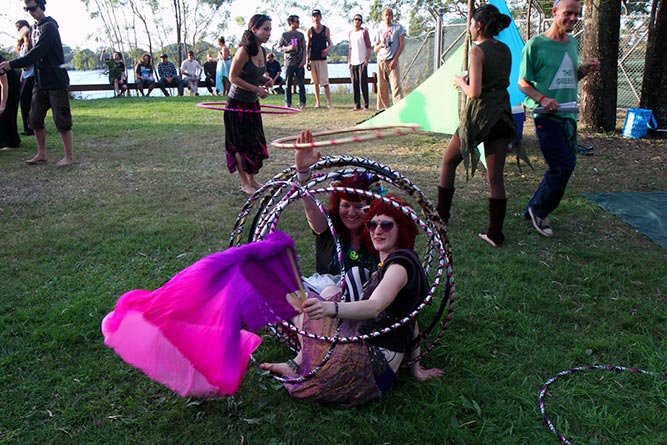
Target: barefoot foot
{"points": [[65, 161], [280, 369], [37, 159], [248, 189], [488, 239]]}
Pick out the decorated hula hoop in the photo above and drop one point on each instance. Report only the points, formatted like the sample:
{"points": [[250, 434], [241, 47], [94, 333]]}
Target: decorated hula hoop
{"points": [[569, 372], [265, 108], [380, 132], [261, 213]]}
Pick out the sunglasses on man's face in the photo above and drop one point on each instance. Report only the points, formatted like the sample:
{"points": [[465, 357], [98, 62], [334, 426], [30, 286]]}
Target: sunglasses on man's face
{"points": [[386, 226], [30, 8]]}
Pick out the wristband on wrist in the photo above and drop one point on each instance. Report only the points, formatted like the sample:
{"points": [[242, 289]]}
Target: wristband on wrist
{"points": [[303, 175], [335, 315], [539, 101]]}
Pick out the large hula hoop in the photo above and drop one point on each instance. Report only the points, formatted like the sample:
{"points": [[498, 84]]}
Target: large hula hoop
{"points": [[568, 372], [266, 109], [379, 132], [261, 213]]}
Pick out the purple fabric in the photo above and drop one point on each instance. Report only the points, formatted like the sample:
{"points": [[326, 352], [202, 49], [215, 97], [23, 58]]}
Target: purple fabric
{"points": [[198, 316]]}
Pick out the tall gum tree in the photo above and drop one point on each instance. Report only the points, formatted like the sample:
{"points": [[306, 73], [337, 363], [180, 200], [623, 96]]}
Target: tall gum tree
{"points": [[132, 24], [599, 91], [654, 93]]}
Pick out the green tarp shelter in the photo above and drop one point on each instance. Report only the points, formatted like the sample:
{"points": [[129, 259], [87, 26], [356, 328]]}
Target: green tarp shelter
{"points": [[434, 105]]}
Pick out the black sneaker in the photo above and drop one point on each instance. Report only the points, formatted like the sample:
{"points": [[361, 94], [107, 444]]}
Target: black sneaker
{"points": [[542, 225]]}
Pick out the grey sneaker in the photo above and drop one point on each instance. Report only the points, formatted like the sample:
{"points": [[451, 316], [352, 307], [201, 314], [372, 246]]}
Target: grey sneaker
{"points": [[542, 225]]}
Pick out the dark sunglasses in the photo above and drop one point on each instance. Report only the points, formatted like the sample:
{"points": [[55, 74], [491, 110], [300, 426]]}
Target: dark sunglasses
{"points": [[357, 20], [386, 226], [30, 8]]}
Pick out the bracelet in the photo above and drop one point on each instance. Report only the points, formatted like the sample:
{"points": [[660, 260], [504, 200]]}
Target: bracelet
{"points": [[539, 101], [303, 176], [335, 315], [307, 170]]}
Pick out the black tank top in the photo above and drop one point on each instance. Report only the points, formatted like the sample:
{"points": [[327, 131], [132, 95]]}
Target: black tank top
{"points": [[318, 43]]}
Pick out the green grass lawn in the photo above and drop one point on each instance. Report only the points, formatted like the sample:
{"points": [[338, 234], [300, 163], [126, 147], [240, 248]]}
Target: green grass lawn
{"points": [[150, 194]]}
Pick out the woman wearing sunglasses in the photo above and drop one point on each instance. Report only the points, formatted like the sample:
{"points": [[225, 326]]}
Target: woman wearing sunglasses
{"points": [[362, 371]]}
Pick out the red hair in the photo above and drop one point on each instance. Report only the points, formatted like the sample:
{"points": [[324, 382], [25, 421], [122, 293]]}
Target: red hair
{"points": [[407, 228]]}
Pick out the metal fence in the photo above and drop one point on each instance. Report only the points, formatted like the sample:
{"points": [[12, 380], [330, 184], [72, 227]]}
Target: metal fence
{"points": [[417, 63]]}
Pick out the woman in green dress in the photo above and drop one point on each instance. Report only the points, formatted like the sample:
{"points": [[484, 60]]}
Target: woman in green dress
{"points": [[487, 119]]}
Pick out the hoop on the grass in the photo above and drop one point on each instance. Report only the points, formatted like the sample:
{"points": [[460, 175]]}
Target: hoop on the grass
{"points": [[265, 108], [571, 371], [380, 132], [262, 212]]}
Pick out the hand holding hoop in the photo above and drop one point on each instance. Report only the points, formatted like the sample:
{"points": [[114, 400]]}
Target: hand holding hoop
{"points": [[373, 133]]}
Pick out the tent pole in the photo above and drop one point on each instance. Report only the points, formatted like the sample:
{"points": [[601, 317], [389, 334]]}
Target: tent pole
{"points": [[462, 102]]}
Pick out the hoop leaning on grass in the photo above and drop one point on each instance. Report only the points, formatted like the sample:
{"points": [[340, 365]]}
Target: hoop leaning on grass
{"points": [[571, 371], [374, 133], [266, 109]]}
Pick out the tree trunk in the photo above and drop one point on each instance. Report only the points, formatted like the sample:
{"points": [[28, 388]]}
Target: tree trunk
{"points": [[178, 19], [654, 93], [599, 92]]}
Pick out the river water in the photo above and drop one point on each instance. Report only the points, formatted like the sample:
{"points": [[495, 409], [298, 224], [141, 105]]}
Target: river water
{"points": [[98, 76]]}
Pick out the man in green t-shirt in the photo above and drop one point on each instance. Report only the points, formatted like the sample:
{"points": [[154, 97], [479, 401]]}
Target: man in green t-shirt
{"points": [[548, 77]]}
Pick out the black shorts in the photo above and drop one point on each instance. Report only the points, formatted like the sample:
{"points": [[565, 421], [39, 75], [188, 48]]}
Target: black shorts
{"points": [[58, 101], [501, 130]]}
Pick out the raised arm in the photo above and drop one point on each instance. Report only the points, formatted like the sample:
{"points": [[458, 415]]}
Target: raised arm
{"points": [[304, 158]]}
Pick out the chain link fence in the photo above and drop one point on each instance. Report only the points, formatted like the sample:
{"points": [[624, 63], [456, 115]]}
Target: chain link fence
{"points": [[417, 63]]}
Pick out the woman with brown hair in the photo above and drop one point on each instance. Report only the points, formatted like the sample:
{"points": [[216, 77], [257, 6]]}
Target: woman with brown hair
{"points": [[487, 118]]}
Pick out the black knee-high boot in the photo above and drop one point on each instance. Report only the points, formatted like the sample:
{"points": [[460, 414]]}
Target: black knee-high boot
{"points": [[445, 197], [494, 234]]}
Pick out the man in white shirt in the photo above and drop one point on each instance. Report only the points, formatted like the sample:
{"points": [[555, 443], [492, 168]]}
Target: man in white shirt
{"points": [[191, 70], [357, 59], [389, 44]]}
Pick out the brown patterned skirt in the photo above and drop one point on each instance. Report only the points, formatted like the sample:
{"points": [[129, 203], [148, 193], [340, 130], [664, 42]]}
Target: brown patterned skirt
{"points": [[349, 377]]}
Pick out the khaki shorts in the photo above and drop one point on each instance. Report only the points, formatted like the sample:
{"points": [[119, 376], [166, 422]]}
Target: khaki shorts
{"points": [[319, 73], [58, 101]]}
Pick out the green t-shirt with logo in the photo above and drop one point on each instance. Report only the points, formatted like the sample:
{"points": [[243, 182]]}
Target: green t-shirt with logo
{"points": [[551, 67]]}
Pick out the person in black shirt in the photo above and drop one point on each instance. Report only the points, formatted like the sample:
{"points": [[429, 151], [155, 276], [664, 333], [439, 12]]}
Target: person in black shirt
{"points": [[51, 82], [319, 45], [9, 109], [274, 70], [209, 74]]}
